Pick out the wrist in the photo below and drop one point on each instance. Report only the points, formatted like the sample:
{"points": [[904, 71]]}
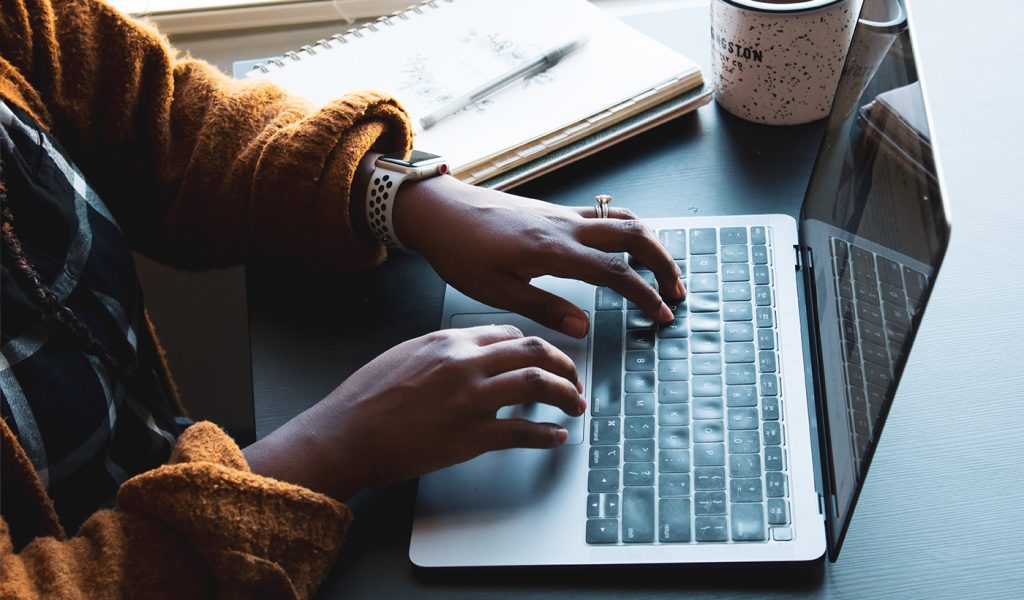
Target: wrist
{"points": [[420, 204]]}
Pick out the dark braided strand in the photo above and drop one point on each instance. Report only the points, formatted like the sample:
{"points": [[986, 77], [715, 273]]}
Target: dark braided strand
{"points": [[54, 311]]}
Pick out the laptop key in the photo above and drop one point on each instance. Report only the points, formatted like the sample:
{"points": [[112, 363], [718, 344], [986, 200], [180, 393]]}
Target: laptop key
{"points": [[604, 456], [744, 442], [708, 408], [674, 520], [605, 431], [740, 374], [675, 329], [757, 235], [765, 339], [593, 505], [744, 465], [772, 433], [639, 450], [672, 415], [634, 474], [737, 311], [773, 458], [639, 428], [673, 438], [640, 360], [606, 299], [673, 485], [703, 241], [734, 235], [764, 315], [707, 386], [743, 418], [770, 409], [674, 461], [710, 529], [778, 512], [672, 349], [735, 272], [759, 254], [640, 339], [736, 290], [775, 484], [748, 523], [706, 342], [603, 480], [638, 514], [703, 303], [674, 241], [709, 503], [639, 382], [763, 295], [673, 370], [606, 390], [707, 364], [639, 404], [739, 332], [745, 490], [709, 455], [673, 392], [611, 505], [762, 276], [708, 431], [735, 254], [703, 282], [706, 322], [602, 531], [766, 361], [739, 352], [741, 395], [769, 384], [704, 264], [638, 320], [709, 478]]}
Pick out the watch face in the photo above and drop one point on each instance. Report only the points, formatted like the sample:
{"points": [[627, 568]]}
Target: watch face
{"points": [[412, 158]]}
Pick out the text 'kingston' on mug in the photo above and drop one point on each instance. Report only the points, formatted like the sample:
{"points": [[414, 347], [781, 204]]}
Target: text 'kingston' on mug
{"points": [[777, 61]]}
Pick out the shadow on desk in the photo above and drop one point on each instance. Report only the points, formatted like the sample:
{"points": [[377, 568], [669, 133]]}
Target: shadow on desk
{"points": [[375, 563]]}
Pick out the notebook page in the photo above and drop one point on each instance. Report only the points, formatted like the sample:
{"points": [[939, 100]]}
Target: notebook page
{"points": [[441, 53]]}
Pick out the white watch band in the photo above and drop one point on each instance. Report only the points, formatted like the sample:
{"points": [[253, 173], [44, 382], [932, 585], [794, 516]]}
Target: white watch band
{"points": [[380, 201]]}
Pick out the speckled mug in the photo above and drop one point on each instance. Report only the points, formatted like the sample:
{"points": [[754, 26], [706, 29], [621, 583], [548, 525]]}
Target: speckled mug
{"points": [[778, 62]]}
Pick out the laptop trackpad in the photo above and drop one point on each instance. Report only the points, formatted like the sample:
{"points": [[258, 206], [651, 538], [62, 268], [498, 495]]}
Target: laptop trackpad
{"points": [[575, 349]]}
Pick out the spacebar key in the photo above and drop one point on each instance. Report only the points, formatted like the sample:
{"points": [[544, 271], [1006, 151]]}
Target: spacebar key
{"points": [[638, 514], [606, 392]]}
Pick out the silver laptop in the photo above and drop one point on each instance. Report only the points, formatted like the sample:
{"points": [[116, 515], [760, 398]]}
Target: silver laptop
{"points": [[743, 430]]}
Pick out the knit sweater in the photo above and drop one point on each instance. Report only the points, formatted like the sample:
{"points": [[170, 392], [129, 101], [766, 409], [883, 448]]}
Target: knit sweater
{"points": [[200, 171]]}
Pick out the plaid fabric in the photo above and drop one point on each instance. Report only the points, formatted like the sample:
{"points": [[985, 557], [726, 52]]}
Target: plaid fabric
{"points": [[85, 429]]}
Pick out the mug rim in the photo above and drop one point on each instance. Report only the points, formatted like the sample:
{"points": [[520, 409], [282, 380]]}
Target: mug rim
{"points": [[793, 8]]}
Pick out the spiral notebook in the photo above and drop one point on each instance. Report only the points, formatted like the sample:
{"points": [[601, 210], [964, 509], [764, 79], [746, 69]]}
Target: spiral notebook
{"points": [[620, 83]]}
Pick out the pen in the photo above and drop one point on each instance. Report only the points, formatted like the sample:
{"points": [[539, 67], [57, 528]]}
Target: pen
{"points": [[531, 67]]}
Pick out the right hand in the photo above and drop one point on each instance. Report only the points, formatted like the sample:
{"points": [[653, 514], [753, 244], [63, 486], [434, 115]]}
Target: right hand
{"points": [[423, 405]]}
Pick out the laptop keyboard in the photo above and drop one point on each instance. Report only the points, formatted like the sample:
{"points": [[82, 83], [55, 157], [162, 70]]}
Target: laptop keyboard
{"points": [[877, 300], [687, 443]]}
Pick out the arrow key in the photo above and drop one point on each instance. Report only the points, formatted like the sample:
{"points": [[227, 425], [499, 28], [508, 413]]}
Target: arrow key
{"points": [[602, 531]]}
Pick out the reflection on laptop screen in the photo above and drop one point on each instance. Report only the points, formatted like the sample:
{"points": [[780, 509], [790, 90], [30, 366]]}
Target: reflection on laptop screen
{"points": [[874, 220]]}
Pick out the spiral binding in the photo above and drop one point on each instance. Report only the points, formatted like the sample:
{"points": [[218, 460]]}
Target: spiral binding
{"points": [[345, 37]]}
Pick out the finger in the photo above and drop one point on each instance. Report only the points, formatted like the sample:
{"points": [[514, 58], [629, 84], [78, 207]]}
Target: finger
{"points": [[551, 311], [614, 212], [611, 271], [531, 384], [529, 352], [502, 434], [485, 335], [634, 237]]}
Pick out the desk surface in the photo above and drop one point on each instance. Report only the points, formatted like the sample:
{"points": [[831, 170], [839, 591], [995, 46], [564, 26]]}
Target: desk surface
{"points": [[940, 514]]}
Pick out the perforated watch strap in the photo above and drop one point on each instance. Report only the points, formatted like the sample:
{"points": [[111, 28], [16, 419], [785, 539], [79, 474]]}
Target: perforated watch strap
{"points": [[380, 202]]}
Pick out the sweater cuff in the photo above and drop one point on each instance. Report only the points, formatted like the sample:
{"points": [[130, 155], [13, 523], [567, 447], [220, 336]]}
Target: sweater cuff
{"points": [[256, 533]]}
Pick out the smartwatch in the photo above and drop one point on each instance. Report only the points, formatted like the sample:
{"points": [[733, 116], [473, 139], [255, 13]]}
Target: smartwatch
{"points": [[389, 171]]}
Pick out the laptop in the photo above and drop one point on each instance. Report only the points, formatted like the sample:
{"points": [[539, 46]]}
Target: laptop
{"points": [[742, 432]]}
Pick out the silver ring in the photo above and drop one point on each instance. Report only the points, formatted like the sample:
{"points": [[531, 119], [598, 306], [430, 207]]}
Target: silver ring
{"points": [[602, 201]]}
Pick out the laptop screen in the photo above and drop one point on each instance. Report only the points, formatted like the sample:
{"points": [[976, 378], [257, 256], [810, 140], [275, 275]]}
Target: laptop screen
{"points": [[874, 223]]}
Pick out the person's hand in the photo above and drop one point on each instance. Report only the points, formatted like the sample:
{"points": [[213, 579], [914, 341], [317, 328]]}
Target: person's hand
{"points": [[489, 245], [423, 405]]}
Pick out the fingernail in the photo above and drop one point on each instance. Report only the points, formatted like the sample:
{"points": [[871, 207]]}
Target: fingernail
{"points": [[583, 405], [561, 435], [665, 313], [680, 289], [574, 326]]}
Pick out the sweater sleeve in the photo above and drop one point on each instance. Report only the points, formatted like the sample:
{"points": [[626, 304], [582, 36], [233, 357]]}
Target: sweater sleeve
{"points": [[199, 169], [201, 526]]}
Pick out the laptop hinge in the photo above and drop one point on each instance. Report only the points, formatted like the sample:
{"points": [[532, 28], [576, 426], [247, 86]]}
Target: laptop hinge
{"points": [[821, 504], [799, 258]]}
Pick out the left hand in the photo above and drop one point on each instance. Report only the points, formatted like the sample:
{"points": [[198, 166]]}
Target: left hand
{"points": [[489, 245]]}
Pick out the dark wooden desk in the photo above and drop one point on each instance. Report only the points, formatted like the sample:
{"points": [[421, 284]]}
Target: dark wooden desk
{"points": [[941, 513]]}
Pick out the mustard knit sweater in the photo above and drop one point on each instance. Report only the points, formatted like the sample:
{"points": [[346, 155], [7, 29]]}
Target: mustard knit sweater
{"points": [[200, 171]]}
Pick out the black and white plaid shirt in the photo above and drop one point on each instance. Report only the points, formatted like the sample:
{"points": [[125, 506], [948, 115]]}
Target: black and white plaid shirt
{"points": [[86, 430]]}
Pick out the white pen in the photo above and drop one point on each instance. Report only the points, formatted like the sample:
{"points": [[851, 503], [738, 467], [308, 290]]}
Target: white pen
{"points": [[531, 67]]}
